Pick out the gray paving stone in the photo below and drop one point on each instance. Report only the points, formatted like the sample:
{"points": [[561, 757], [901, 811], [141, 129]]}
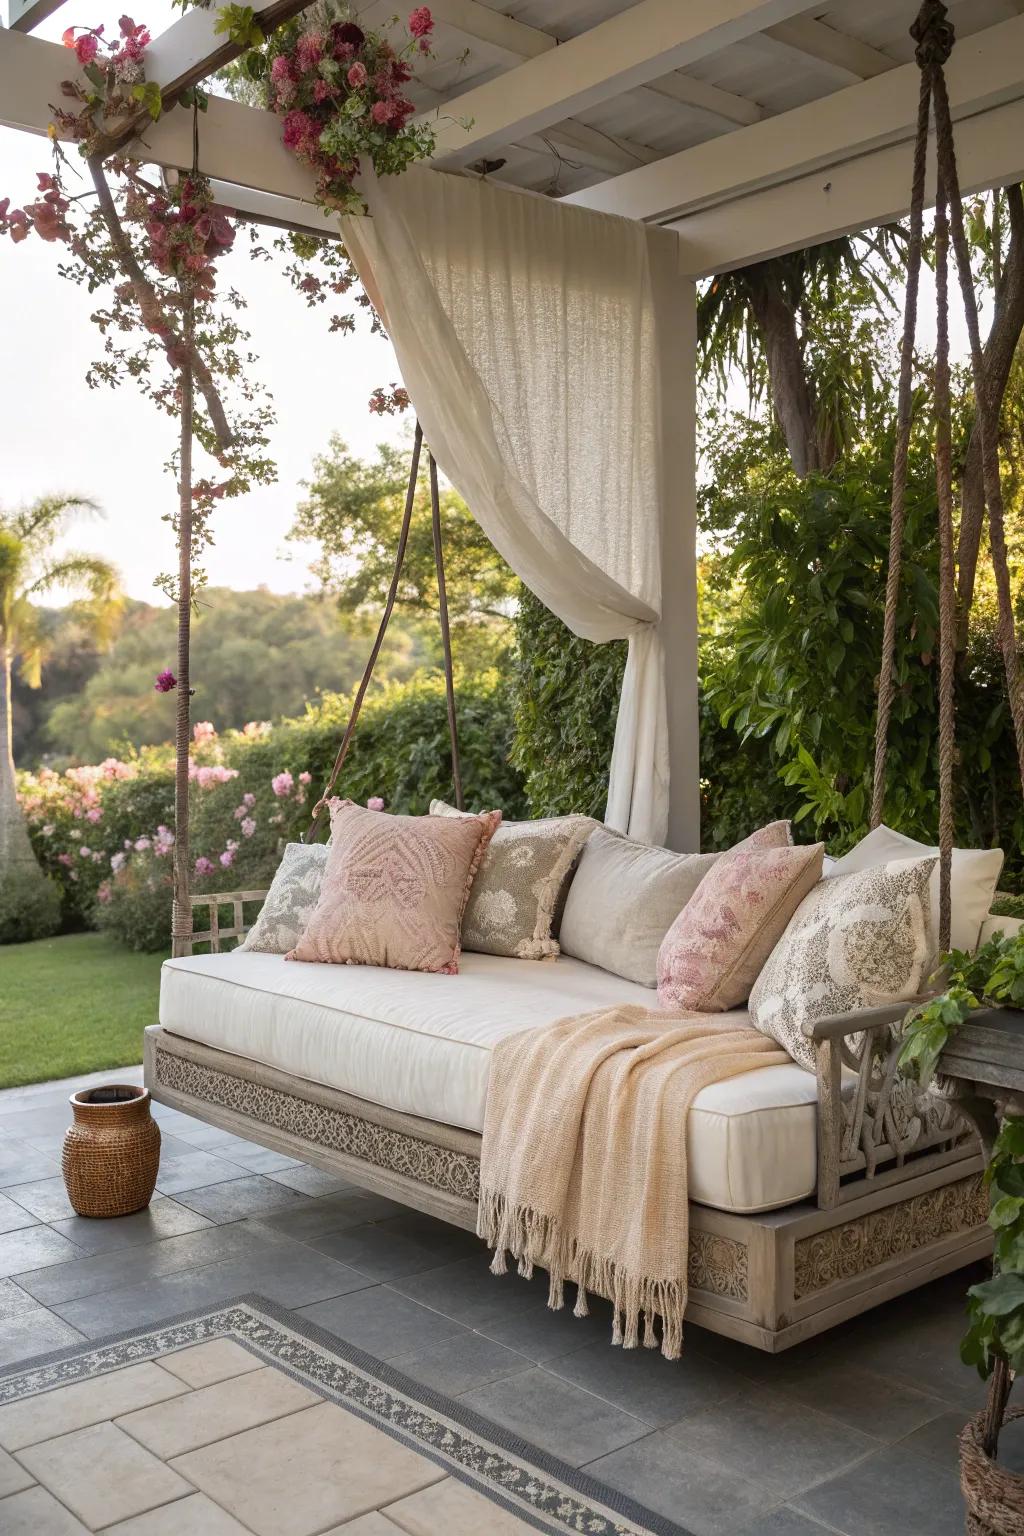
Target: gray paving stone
{"points": [[34, 1332], [553, 1413], [86, 1276], [20, 1163], [312, 1181], [461, 1363], [919, 1349], [307, 1219], [774, 1440], [193, 1170], [785, 1521], [289, 1274], [198, 1135], [37, 1513], [892, 1491], [384, 1253], [867, 1401], [382, 1322], [645, 1384], [257, 1159], [162, 1218], [13, 1216], [238, 1198], [14, 1300], [46, 1199], [31, 1248], [699, 1494], [544, 1335], [938, 1439], [468, 1292]]}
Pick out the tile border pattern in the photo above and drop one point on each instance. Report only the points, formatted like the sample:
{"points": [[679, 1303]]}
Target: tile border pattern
{"points": [[538, 1488]]}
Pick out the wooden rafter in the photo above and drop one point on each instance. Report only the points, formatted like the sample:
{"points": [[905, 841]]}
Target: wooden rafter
{"points": [[847, 55]]}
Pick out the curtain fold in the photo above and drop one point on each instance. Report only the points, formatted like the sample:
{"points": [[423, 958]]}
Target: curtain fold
{"points": [[529, 337]]}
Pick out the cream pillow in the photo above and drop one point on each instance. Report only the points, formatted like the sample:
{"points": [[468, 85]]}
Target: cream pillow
{"points": [[856, 941], [521, 884], [623, 899], [290, 902], [974, 876]]}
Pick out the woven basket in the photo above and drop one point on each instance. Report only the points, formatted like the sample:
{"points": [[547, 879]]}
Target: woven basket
{"points": [[994, 1496], [111, 1151]]}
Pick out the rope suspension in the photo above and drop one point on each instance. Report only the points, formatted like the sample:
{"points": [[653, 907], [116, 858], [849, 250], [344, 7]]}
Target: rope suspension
{"points": [[364, 682], [934, 36]]}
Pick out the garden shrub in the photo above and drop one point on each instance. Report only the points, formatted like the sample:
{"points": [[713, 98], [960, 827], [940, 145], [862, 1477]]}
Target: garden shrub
{"points": [[30, 906]]}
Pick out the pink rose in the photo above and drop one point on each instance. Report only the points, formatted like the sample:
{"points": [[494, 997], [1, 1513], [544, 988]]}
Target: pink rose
{"points": [[205, 866], [357, 76], [421, 23], [282, 784], [375, 803], [382, 112], [248, 827], [86, 48], [227, 858]]}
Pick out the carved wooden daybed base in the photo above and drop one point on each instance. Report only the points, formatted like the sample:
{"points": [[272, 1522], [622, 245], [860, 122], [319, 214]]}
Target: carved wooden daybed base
{"points": [[900, 1197]]}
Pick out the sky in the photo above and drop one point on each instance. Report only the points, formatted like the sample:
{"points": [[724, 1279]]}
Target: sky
{"points": [[58, 435]]}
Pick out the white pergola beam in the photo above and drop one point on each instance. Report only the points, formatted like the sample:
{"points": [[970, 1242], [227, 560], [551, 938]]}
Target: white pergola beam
{"points": [[815, 40], [728, 108], [651, 39], [985, 70], [576, 141], [23, 15]]}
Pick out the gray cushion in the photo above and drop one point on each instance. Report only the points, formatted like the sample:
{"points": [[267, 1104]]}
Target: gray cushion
{"points": [[291, 900], [624, 898]]}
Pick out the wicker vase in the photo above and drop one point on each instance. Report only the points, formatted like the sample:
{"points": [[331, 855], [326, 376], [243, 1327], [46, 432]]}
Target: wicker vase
{"points": [[111, 1151], [993, 1494]]}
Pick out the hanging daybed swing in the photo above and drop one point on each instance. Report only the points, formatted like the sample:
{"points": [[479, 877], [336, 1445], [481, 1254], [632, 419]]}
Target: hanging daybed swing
{"points": [[893, 1198]]}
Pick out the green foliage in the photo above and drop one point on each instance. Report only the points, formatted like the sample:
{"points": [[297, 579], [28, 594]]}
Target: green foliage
{"points": [[996, 1306], [240, 24], [566, 696], [994, 974], [137, 912], [30, 906]]}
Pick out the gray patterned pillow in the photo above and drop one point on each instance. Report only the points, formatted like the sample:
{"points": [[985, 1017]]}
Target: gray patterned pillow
{"points": [[291, 900], [520, 884], [855, 941]]}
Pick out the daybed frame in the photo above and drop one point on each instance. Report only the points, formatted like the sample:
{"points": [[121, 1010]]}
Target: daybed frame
{"points": [[900, 1198]]}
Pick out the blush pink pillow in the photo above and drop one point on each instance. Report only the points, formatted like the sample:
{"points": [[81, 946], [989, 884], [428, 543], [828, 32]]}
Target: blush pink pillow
{"points": [[394, 889], [718, 945]]}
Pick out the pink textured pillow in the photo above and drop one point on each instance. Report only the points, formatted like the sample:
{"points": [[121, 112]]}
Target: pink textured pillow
{"points": [[717, 946], [394, 889]]}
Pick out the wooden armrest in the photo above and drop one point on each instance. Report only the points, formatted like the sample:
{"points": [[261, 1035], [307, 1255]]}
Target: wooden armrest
{"points": [[841, 1024], [223, 897]]}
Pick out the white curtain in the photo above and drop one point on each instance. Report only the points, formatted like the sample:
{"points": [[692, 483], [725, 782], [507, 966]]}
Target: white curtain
{"points": [[530, 336]]}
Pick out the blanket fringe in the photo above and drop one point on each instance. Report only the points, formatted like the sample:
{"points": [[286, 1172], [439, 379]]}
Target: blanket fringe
{"points": [[532, 1237]]}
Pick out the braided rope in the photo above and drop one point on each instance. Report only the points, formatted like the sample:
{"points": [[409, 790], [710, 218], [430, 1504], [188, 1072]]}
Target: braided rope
{"points": [[947, 577]]}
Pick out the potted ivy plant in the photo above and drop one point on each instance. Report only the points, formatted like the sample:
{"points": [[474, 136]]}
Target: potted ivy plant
{"points": [[993, 979]]}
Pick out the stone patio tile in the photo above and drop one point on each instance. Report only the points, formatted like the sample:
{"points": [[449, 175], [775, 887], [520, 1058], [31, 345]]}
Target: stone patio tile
{"points": [[455, 1509], [468, 1292], [302, 1474], [673, 1481], [45, 1198], [373, 1524], [20, 1163], [381, 1253], [549, 1412], [257, 1159], [785, 1521], [31, 1248], [201, 1365], [777, 1442], [195, 1515], [382, 1322], [921, 1351], [13, 1216], [34, 1332], [867, 1401], [544, 1335], [48, 1119], [161, 1218], [37, 1513], [461, 1363], [197, 1134], [939, 1438], [14, 1300], [86, 1275], [285, 1272], [238, 1198], [894, 1490], [13, 1477], [102, 1474], [193, 1170], [81, 1403], [213, 1413], [306, 1219], [312, 1181], [645, 1384]]}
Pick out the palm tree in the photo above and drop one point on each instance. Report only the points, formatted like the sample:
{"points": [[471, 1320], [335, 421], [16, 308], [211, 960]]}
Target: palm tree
{"points": [[29, 568]]}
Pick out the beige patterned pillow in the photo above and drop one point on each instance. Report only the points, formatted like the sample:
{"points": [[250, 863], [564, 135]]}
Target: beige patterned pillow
{"points": [[394, 889], [856, 941], [520, 885], [290, 902]]}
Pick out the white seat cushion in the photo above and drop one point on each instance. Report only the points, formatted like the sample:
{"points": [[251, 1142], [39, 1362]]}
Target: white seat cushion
{"points": [[421, 1044]]}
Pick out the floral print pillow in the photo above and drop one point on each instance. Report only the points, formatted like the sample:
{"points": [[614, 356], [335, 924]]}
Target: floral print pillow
{"points": [[856, 941], [290, 902], [712, 954], [521, 885]]}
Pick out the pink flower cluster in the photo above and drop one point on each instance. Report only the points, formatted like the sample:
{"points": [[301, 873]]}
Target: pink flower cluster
{"points": [[203, 731], [165, 681], [186, 237], [208, 774]]}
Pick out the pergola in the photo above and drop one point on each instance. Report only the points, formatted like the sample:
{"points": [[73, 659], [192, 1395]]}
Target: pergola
{"points": [[749, 127]]}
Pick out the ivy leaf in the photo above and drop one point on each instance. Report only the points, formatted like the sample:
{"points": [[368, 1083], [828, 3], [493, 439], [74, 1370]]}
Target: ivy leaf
{"points": [[149, 95]]}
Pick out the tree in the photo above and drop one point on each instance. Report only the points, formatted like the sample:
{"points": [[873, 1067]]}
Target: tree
{"points": [[29, 568], [354, 511]]}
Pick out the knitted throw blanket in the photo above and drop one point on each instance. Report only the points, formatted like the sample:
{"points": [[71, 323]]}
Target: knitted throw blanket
{"points": [[583, 1162]]}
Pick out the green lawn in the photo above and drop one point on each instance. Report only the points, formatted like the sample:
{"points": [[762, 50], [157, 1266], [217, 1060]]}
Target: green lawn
{"points": [[73, 1005]]}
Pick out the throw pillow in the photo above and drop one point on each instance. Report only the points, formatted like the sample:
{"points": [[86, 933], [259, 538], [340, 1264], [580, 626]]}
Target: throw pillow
{"points": [[394, 889], [290, 902], [622, 900], [974, 875], [856, 941], [520, 884], [714, 951]]}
